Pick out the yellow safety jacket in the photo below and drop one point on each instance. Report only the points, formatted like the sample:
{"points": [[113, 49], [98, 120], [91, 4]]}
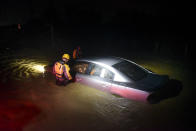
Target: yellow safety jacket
{"points": [[62, 70]]}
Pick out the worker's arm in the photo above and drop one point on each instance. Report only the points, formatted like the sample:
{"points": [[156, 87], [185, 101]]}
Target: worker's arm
{"points": [[66, 72], [74, 54]]}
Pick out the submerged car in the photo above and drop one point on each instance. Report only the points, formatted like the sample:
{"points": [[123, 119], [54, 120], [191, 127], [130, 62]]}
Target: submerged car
{"points": [[119, 76]]}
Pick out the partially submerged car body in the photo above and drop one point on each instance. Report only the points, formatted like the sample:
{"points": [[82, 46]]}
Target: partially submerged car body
{"points": [[119, 76]]}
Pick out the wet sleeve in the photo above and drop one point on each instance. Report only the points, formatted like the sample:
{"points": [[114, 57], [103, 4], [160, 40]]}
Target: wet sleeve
{"points": [[66, 72]]}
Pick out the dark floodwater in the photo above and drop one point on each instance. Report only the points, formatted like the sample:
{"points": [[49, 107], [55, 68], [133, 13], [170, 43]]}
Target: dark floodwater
{"points": [[31, 101]]}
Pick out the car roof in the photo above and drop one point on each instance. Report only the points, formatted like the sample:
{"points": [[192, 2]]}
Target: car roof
{"points": [[111, 60]]}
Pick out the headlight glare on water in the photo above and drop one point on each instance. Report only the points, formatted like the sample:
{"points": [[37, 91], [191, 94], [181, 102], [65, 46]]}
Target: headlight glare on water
{"points": [[39, 68]]}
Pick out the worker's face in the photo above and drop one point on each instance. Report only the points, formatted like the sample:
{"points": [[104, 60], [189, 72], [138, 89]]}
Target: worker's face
{"points": [[65, 60]]}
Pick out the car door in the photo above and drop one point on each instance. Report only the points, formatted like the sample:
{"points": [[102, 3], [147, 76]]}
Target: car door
{"points": [[96, 76], [100, 77], [127, 90]]}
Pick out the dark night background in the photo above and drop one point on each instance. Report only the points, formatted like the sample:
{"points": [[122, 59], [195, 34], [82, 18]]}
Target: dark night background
{"points": [[142, 30], [111, 27]]}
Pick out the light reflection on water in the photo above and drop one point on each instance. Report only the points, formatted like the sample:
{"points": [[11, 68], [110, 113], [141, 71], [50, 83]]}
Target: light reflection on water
{"points": [[20, 68], [25, 68]]}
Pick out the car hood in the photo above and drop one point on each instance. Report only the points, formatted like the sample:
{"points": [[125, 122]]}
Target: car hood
{"points": [[152, 82]]}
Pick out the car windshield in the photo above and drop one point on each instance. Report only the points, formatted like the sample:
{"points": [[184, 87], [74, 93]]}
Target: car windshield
{"points": [[131, 70]]}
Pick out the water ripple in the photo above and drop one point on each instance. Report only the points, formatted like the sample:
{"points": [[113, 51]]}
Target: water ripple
{"points": [[20, 68]]}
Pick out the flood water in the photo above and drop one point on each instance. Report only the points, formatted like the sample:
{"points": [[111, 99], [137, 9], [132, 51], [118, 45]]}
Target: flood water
{"points": [[30, 100]]}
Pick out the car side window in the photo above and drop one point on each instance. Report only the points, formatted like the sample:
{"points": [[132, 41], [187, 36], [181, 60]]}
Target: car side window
{"points": [[101, 72], [81, 67], [107, 74], [96, 70]]}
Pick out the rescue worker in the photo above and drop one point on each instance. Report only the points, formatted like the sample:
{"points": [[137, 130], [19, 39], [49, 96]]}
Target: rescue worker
{"points": [[61, 70], [77, 53]]}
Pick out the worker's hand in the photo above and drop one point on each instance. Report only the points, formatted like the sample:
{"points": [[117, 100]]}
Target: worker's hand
{"points": [[73, 80]]}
